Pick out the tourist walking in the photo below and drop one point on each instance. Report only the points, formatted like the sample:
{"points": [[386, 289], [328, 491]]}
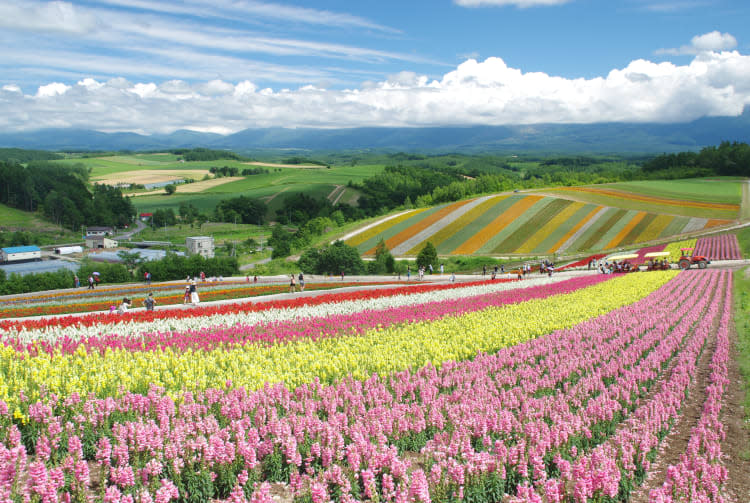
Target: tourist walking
{"points": [[301, 279], [76, 281], [292, 287], [91, 282], [149, 302]]}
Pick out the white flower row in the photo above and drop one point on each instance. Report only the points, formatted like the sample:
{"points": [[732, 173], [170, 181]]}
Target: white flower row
{"points": [[52, 334]]}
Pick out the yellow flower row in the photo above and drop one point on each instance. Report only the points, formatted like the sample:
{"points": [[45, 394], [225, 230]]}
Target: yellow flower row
{"points": [[379, 351], [674, 248]]}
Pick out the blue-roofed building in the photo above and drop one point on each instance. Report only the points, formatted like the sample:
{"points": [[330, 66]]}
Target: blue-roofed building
{"points": [[18, 253]]}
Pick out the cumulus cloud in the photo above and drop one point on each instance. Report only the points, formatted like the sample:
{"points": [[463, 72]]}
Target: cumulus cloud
{"points": [[502, 3], [485, 92], [53, 89], [713, 41]]}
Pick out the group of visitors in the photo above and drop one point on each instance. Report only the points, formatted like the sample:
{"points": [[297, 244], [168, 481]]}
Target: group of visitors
{"points": [[149, 302], [301, 278]]}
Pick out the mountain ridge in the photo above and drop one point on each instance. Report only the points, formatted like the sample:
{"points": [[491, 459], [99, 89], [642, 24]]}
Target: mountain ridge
{"points": [[554, 138]]}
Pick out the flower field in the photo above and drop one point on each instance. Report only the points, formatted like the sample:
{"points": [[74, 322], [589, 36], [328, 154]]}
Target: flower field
{"points": [[82, 300], [554, 389], [722, 247], [530, 224]]}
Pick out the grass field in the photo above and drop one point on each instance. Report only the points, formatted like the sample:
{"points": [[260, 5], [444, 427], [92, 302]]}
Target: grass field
{"points": [[711, 190], [12, 219], [221, 232], [704, 198], [742, 323]]}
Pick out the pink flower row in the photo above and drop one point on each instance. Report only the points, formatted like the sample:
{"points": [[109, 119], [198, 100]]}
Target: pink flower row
{"points": [[595, 473], [509, 414], [721, 247], [700, 474]]}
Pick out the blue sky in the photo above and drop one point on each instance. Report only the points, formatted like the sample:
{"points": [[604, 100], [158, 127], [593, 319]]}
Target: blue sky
{"points": [[226, 65]]}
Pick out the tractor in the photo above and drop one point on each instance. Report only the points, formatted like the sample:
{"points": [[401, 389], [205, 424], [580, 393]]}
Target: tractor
{"points": [[688, 259]]}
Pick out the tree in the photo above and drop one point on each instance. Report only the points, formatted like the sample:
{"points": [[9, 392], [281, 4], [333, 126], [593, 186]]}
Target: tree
{"points": [[427, 256], [340, 257], [383, 262], [170, 189], [130, 259]]}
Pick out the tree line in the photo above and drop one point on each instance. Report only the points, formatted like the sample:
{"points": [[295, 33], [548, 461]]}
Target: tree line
{"points": [[728, 159], [61, 192]]}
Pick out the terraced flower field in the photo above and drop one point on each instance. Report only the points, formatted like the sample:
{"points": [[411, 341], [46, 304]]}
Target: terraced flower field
{"points": [[551, 389], [523, 224]]}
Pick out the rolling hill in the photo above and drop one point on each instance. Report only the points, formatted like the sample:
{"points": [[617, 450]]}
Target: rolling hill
{"points": [[542, 223]]}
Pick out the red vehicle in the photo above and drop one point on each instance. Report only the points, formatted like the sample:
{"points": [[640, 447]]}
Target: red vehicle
{"points": [[688, 259]]}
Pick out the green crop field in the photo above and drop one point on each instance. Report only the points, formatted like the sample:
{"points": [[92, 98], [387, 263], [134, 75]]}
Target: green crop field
{"points": [[710, 190], [272, 187], [701, 198]]}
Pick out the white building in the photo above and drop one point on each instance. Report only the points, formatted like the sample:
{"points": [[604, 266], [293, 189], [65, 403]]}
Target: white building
{"points": [[100, 242], [202, 245], [18, 253], [99, 231]]}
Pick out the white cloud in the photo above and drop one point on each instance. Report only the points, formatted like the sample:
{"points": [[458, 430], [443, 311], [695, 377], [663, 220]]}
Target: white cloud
{"points": [[53, 89], [487, 92], [46, 17], [712, 41], [502, 3], [237, 9]]}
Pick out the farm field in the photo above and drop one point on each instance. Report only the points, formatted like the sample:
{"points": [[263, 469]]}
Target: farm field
{"points": [[526, 224], [272, 188], [484, 391], [281, 181]]}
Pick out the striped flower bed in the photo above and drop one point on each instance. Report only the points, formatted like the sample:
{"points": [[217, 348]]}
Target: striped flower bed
{"points": [[523, 224], [564, 394]]}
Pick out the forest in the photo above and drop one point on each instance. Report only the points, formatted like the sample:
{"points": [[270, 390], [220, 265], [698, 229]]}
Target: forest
{"points": [[63, 195]]}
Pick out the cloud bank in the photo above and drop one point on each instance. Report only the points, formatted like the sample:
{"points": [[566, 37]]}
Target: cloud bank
{"points": [[487, 92]]}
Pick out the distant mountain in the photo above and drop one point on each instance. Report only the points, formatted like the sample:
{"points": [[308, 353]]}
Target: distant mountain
{"points": [[553, 138]]}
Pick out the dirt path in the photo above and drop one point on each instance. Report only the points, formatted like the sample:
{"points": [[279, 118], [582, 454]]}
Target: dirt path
{"points": [[271, 198]]}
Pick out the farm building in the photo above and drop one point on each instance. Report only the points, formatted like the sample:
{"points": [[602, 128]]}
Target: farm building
{"points": [[202, 245], [145, 217], [67, 250], [19, 253], [100, 242], [99, 231]]}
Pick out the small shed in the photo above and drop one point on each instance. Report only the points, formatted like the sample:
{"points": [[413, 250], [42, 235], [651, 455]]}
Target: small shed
{"points": [[19, 253], [67, 250]]}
